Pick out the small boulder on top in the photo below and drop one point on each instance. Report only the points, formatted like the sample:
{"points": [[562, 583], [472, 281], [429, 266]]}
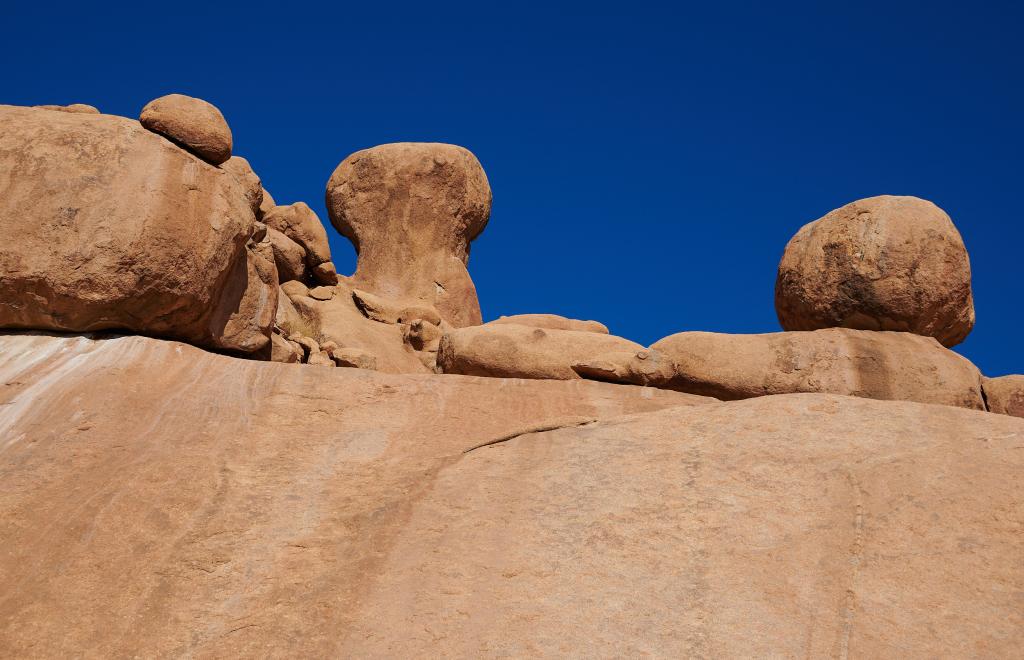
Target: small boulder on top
{"points": [[191, 123], [883, 263]]}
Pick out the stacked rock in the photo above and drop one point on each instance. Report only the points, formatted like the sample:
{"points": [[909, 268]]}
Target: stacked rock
{"points": [[882, 263]]}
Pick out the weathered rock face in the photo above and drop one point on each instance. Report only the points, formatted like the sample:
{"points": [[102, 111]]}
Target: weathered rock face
{"points": [[551, 322], [1005, 395], [289, 256], [248, 179], [411, 210], [520, 351], [192, 123], [298, 222], [883, 263], [876, 365], [118, 229], [214, 507]]}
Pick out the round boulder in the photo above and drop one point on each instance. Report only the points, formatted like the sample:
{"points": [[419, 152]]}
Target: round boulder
{"points": [[882, 263], [191, 123]]}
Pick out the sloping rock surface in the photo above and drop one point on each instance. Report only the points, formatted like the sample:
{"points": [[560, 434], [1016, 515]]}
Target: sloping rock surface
{"points": [[161, 501]]}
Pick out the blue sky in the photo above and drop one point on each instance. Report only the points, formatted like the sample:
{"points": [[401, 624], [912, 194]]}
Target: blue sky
{"points": [[648, 161]]}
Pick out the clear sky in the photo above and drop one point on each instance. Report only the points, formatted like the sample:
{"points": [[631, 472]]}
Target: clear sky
{"points": [[648, 161]]}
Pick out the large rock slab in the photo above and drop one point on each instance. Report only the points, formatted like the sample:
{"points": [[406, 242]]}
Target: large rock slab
{"points": [[883, 263], [521, 351], [107, 225], [876, 365], [156, 500], [1005, 395], [411, 210]]}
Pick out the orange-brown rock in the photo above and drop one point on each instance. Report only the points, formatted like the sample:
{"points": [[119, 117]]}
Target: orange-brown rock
{"points": [[552, 322], [249, 180], [298, 222], [883, 263], [191, 123], [1005, 395], [289, 256], [161, 501], [109, 226], [875, 365], [325, 274], [74, 107], [267, 203], [411, 210], [339, 320], [642, 367], [521, 351]]}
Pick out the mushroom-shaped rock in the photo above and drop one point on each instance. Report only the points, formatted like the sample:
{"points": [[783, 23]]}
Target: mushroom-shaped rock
{"points": [[411, 210], [247, 178], [883, 263], [192, 123], [874, 365], [1005, 395], [298, 222]]}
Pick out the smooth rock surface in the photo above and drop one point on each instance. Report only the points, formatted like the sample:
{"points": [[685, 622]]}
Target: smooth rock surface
{"points": [[551, 322], [882, 263], [109, 226], [876, 365], [411, 210], [1005, 395], [161, 501], [289, 256], [520, 351], [192, 123], [74, 107], [249, 180]]}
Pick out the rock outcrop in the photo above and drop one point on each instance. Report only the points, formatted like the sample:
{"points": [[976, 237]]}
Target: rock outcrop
{"points": [[74, 107], [193, 123], [521, 351], [1005, 395], [411, 210], [875, 365], [883, 263], [249, 180], [159, 501], [112, 227], [551, 322]]}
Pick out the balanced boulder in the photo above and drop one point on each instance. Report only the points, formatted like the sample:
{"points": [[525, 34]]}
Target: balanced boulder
{"points": [[1005, 395], [411, 210], [192, 123], [520, 351], [109, 226], [874, 365], [551, 322], [883, 263]]}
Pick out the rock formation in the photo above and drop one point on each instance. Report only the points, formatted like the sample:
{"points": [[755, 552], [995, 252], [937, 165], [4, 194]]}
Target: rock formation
{"points": [[883, 263], [552, 322], [411, 211], [877, 365], [446, 488], [162, 501], [112, 227], [192, 123], [1005, 395], [520, 351]]}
